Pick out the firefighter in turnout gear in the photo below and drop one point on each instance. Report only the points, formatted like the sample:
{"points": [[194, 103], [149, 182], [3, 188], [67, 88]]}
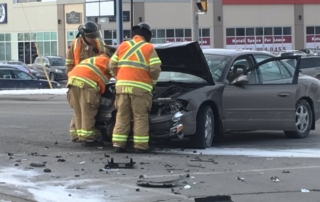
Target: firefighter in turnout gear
{"points": [[136, 67], [87, 44], [86, 83]]}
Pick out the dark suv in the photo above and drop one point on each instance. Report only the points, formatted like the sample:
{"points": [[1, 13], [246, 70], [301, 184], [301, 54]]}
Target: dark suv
{"points": [[309, 66], [55, 67]]}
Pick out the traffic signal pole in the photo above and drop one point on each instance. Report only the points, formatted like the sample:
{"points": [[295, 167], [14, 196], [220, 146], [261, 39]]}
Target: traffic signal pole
{"points": [[194, 20], [119, 21]]}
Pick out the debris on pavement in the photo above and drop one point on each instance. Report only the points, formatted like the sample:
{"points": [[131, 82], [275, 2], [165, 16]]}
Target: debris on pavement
{"points": [[143, 177], [187, 187], [112, 164], [163, 184], [275, 179], [106, 155], [305, 191], [61, 160], [195, 166], [10, 154], [240, 178], [285, 171], [203, 160], [36, 154], [38, 165], [219, 198], [137, 189], [82, 162], [47, 170], [56, 143]]}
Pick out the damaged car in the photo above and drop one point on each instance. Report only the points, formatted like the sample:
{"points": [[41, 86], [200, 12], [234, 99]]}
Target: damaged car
{"points": [[202, 94]]}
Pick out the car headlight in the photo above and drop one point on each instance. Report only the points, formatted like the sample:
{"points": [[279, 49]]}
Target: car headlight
{"points": [[177, 116], [58, 71]]}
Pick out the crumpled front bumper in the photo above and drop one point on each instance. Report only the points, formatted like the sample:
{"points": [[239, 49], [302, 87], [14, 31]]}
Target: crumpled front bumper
{"points": [[170, 125]]}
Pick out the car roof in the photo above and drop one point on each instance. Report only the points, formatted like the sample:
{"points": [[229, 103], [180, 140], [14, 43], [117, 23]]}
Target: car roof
{"points": [[9, 69], [53, 56], [11, 65], [231, 52]]}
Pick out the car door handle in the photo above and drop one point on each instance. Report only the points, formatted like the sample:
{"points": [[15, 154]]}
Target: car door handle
{"points": [[284, 94]]}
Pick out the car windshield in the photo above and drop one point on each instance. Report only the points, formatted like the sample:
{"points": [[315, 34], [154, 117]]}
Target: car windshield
{"points": [[179, 77], [217, 64], [57, 61]]}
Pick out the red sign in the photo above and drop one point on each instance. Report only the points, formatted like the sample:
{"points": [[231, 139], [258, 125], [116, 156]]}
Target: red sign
{"points": [[313, 38], [260, 40], [260, 2]]}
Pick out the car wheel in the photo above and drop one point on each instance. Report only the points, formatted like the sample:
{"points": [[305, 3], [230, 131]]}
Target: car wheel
{"points": [[51, 77], [205, 129], [303, 120]]}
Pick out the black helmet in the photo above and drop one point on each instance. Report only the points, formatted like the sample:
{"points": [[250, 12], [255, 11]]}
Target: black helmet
{"points": [[143, 29], [141, 25], [90, 30]]}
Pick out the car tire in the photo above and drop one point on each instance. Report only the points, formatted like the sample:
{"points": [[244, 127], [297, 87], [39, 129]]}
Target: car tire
{"points": [[205, 129], [303, 120], [52, 77]]}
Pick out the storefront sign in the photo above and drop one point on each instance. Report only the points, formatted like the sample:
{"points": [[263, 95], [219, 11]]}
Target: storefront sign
{"points": [[125, 17], [313, 41], [261, 43], [204, 41], [73, 17], [3, 14]]}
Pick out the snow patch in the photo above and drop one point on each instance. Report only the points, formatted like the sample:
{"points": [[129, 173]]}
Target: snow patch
{"points": [[60, 91], [24, 182], [295, 153]]}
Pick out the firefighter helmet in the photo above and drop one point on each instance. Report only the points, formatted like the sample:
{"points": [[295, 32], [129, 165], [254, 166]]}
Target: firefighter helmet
{"points": [[143, 29]]}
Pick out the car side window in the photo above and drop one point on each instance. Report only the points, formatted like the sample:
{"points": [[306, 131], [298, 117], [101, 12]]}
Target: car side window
{"points": [[5, 74], [238, 67], [37, 61], [21, 75], [260, 57], [46, 61], [274, 72]]}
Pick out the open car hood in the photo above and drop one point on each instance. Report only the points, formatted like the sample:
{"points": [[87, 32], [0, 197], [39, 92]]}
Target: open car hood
{"points": [[184, 57]]}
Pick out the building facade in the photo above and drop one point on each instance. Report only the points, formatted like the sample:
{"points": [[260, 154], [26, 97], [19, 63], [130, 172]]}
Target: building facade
{"points": [[51, 25]]}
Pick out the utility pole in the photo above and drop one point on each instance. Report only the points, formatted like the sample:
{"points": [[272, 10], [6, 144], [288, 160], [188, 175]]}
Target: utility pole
{"points": [[194, 20], [131, 17], [119, 21]]}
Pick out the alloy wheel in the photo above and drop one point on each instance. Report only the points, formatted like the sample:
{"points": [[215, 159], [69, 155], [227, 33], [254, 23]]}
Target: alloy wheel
{"points": [[208, 128], [302, 118]]}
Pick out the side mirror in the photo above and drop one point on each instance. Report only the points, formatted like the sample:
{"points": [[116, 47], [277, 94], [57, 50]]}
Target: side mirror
{"points": [[47, 65], [241, 80]]}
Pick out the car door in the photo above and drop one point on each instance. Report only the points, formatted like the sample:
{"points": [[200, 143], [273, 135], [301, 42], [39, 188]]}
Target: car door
{"points": [[6, 81], [25, 80], [267, 101]]}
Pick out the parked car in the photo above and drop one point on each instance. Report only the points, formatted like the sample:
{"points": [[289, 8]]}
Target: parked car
{"points": [[291, 52], [219, 90], [12, 79], [54, 65], [309, 52], [309, 66], [30, 70]]}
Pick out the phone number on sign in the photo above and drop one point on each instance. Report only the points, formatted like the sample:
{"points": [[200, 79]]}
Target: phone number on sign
{"points": [[275, 49]]}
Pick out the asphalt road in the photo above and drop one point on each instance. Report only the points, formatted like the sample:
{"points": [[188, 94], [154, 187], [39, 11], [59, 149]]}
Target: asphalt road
{"points": [[34, 129]]}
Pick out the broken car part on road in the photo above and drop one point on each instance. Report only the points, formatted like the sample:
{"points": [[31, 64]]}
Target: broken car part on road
{"points": [[112, 164], [163, 184]]}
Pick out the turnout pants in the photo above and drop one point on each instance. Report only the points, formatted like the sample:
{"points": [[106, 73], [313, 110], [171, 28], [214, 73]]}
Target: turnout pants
{"points": [[85, 102], [137, 107]]}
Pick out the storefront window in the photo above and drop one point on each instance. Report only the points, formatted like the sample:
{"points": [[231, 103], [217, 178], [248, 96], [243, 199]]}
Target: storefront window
{"points": [[205, 33], [179, 33], [26, 43], [187, 33], [249, 31], [71, 35], [5, 46]]}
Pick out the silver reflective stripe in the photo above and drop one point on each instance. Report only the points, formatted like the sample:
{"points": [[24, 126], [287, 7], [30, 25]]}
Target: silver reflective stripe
{"points": [[133, 64], [96, 70], [133, 50]]}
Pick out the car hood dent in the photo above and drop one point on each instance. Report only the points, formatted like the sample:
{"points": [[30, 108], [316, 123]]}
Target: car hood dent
{"points": [[184, 57]]}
